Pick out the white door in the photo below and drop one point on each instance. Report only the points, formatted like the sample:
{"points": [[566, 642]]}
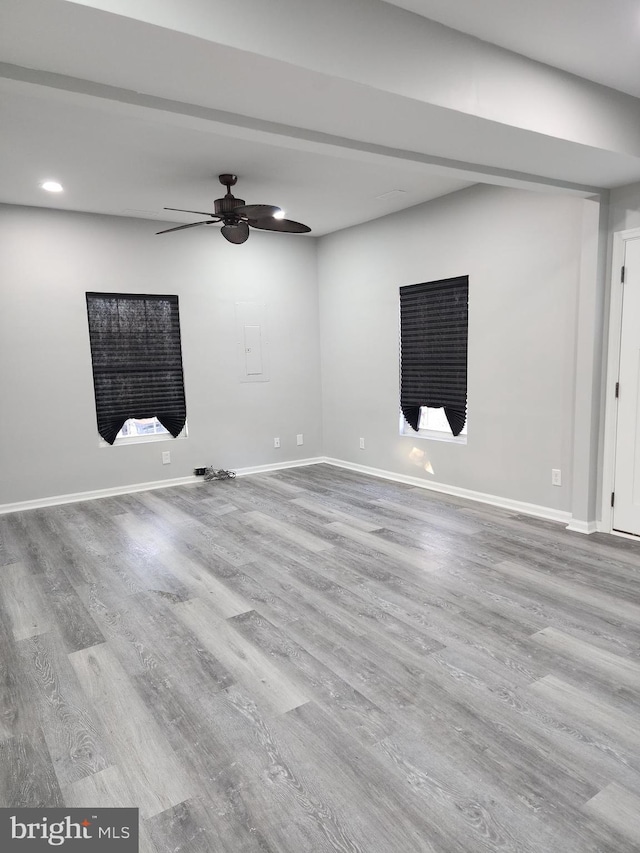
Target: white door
{"points": [[626, 506]]}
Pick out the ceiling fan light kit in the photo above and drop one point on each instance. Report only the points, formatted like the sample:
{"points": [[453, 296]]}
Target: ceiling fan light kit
{"points": [[237, 216]]}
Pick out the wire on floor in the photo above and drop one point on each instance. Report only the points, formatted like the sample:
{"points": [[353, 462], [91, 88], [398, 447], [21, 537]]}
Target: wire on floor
{"points": [[218, 474]]}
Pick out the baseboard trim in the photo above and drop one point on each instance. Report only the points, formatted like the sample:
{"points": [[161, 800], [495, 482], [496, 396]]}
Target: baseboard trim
{"points": [[280, 466], [494, 500], [76, 497], [586, 527]]}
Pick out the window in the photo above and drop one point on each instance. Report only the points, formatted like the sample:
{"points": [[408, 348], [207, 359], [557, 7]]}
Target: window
{"points": [[143, 430], [142, 426], [433, 424], [435, 420], [433, 362], [137, 363]]}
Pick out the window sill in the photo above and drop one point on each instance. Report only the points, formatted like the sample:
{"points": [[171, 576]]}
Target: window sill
{"points": [[142, 439], [433, 435]]}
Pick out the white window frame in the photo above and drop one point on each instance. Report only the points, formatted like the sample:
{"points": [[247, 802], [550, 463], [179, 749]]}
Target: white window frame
{"points": [[431, 433], [123, 440]]}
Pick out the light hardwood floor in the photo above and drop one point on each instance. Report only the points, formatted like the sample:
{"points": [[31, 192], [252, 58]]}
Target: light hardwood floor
{"points": [[315, 660]]}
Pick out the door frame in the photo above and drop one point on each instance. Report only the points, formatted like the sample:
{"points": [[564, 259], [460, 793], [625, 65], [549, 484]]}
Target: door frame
{"points": [[613, 369]]}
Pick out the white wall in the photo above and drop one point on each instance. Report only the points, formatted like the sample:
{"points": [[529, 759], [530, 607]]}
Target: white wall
{"points": [[522, 252], [378, 46], [49, 444]]}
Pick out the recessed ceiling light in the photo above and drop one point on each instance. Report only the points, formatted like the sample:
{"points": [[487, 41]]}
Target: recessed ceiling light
{"points": [[51, 186], [279, 214]]}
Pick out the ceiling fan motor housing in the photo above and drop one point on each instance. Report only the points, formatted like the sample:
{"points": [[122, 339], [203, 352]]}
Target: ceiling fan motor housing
{"points": [[225, 206], [238, 216]]}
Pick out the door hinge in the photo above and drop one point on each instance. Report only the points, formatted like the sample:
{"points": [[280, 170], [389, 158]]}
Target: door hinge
{"points": [[622, 275], [613, 497], [617, 389]]}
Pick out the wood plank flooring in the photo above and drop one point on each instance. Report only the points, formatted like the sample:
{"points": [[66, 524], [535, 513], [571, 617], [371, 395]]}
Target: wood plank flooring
{"points": [[316, 660]]}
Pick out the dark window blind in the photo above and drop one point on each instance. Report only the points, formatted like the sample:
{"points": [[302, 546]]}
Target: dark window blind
{"points": [[433, 344], [137, 360]]}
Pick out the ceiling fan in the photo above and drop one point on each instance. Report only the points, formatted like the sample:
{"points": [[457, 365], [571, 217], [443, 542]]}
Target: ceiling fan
{"points": [[238, 216]]}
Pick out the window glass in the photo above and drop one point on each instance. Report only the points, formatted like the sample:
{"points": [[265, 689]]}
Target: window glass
{"points": [[142, 426]]}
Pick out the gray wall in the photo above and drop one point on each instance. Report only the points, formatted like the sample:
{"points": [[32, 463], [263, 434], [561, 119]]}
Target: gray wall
{"points": [[624, 208], [48, 259], [522, 252]]}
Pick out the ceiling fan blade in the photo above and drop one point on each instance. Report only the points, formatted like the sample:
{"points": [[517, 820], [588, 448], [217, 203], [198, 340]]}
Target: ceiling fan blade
{"points": [[272, 224], [191, 225], [256, 211], [236, 233], [199, 212]]}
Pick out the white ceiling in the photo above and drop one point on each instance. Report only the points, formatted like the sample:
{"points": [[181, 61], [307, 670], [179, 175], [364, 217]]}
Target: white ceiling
{"points": [[595, 39], [124, 163], [147, 116]]}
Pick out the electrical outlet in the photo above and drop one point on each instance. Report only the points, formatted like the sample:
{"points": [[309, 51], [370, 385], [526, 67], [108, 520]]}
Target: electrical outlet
{"points": [[362, 444], [166, 457], [276, 442], [199, 472], [556, 477], [299, 439]]}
